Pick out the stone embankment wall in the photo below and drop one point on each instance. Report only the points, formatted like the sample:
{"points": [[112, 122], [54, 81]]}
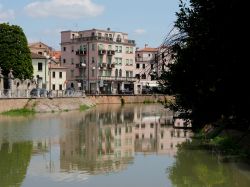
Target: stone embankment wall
{"points": [[63, 104]]}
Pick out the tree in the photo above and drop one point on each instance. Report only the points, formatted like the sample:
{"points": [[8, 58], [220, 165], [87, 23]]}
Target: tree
{"points": [[209, 73], [14, 52]]}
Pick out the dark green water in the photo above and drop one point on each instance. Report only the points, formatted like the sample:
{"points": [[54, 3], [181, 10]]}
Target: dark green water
{"points": [[110, 146]]}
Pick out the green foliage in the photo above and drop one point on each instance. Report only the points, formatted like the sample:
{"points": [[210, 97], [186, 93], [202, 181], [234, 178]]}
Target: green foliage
{"points": [[209, 73], [226, 144], [84, 107], [14, 163], [19, 112], [14, 52], [195, 168]]}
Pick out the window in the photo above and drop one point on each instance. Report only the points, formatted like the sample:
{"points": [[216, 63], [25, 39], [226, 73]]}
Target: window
{"points": [[143, 66], [40, 66], [72, 48], [143, 76], [131, 50], [131, 62], [137, 76], [120, 73], [100, 47], [53, 74], [93, 72], [116, 72], [93, 47], [127, 73], [93, 59], [64, 48], [64, 60], [60, 86], [53, 87], [120, 49], [72, 61], [137, 66], [127, 49], [109, 47], [127, 61], [60, 74]]}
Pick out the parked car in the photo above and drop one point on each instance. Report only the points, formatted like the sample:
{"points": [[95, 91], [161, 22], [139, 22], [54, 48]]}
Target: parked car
{"points": [[126, 91], [39, 92]]}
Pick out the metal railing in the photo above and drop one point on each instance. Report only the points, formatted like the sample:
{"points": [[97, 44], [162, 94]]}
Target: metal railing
{"points": [[49, 94]]}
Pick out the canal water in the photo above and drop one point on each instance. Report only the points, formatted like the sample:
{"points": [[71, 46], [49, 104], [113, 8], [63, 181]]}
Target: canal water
{"points": [[109, 146]]}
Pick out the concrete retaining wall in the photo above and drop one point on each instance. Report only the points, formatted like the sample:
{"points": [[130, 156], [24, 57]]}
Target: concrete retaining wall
{"points": [[62, 104]]}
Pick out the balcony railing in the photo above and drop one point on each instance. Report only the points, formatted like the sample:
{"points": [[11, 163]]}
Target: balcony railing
{"points": [[113, 78], [110, 52], [102, 39], [145, 59], [101, 51], [81, 52]]}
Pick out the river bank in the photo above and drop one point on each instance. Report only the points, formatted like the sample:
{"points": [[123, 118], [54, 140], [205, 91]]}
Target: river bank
{"points": [[74, 103]]}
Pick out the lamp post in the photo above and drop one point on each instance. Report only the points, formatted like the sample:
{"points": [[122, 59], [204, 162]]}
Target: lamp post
{"points": [[82, 73]]}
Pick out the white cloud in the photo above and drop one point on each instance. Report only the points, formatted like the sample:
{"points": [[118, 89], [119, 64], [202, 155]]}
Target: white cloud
{"points": [[140, 31], [70, 9], [6, 15]]}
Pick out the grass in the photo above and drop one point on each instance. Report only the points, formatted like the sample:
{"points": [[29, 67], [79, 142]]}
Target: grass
{"points": [[19, 112], [84, 107]]}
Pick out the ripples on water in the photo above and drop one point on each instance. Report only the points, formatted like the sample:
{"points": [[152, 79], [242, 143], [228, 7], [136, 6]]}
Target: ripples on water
{"points": [[110, 145]]}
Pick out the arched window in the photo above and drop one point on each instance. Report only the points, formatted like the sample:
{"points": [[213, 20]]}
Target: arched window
{"points": [[120, 73], [116, 72]]}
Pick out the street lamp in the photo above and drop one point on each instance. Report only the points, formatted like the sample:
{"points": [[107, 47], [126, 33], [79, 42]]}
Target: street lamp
{"points": [[83, 65]]}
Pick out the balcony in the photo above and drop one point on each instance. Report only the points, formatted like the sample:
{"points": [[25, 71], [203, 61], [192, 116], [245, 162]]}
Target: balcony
{"points": [[119, 40], [110, 65], [81, 52], [101, 51], [110, 52], [81, 65], [112, 78]]}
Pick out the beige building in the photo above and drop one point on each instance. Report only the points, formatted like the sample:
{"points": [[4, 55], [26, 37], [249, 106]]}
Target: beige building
{"points": [[57, 77], [100, 61], [40, 48], [146, 70]]}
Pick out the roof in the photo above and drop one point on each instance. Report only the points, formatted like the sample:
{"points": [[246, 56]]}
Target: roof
{"points": [[56, 54], [148, 49], [37, 56], [54, 66]]}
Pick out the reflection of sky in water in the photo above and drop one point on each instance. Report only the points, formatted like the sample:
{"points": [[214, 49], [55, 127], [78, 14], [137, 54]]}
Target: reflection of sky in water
{"points": [[47, 167], [147, 171]]}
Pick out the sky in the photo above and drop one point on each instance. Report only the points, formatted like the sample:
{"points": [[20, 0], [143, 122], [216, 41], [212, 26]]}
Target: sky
{"points": [[145, 21]]}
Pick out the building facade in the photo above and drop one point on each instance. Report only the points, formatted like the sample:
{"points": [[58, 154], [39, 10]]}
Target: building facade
{"points": [[57, 77], [41, 70], [146, 70], [101, 61]]}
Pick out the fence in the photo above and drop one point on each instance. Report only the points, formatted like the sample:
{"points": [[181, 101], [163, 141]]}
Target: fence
{"points": [[7, 93]]}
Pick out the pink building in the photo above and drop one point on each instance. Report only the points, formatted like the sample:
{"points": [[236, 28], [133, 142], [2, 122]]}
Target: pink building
{"points": [[99, 61]]}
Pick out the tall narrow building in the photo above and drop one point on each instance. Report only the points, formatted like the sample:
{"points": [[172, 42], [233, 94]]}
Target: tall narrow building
{"points": [[99, 61]]}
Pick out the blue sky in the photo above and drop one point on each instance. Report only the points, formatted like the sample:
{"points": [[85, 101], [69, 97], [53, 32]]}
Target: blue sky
{"points": [[145, 21]]}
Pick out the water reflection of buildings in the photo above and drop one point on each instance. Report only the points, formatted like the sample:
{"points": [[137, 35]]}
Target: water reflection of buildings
{"points": [[106, 140]]}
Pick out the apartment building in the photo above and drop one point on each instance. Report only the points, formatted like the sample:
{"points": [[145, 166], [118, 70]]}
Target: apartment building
{"points": [[100, 61], [146, 70]]}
